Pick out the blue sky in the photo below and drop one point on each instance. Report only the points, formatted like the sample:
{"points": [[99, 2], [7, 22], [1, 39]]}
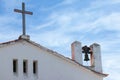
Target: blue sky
{"points": [[55, 24]]}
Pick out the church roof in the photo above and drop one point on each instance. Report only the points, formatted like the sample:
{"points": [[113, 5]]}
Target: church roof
{"points": [[52, 52]]}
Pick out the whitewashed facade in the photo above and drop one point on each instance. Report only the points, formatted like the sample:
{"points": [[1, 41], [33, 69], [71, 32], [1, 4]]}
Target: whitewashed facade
{"points": [[23, 59]]}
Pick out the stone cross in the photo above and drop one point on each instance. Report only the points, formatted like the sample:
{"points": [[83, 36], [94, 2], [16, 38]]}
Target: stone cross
{"points": [[23, 16]]}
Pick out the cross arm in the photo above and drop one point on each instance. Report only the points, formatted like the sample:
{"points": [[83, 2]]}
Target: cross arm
{"points": [[26, 12]]}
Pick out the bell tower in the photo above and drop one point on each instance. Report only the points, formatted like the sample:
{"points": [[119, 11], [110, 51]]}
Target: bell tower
{"points": [[96, 62], [91, 53]]}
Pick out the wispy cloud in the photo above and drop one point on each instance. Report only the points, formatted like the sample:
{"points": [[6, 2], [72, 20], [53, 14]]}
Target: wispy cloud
{"points": [[59, 5], [101, 3], [109, 22], [110, 65], [42, 26], [69, 1], [84, 21]]}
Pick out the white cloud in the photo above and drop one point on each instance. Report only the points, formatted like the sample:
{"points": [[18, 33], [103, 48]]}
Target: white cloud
{"points": [[111, 66], [109, 22], [9, 5], [52, 38], [8, 30], [69, 1], [77, 21], [39, 27], [81, 21], [102, 3], [8, 19]]}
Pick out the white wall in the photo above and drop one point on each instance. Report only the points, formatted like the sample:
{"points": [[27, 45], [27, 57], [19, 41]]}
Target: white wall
{"points": [[50, 67]]}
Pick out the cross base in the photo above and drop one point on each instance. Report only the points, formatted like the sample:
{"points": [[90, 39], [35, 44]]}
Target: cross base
{"points": [[26, 37]]}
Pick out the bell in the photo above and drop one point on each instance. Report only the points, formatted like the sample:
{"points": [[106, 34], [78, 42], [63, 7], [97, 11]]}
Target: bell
{"points": [[86, 57]]}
